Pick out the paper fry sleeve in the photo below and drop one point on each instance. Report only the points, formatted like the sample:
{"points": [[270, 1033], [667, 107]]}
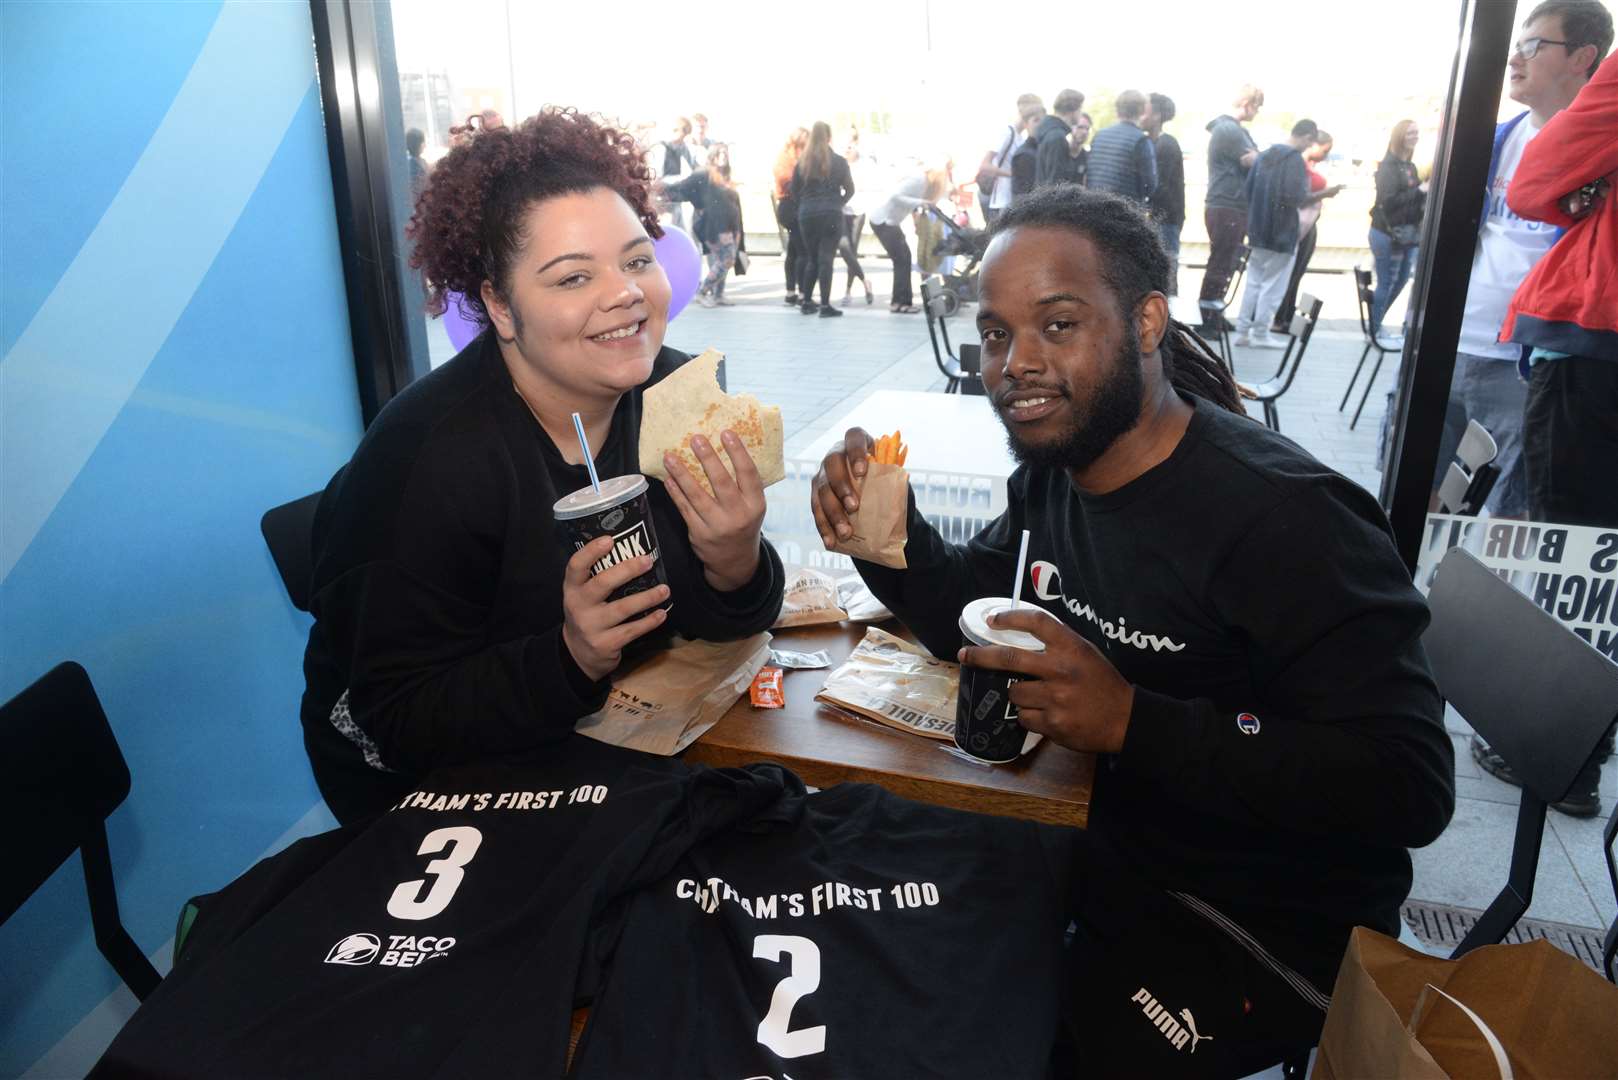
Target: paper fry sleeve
{"points": [[879, 526]]}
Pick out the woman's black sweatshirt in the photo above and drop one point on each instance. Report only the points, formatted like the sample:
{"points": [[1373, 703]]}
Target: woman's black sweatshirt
{"points": [[437, 590]]}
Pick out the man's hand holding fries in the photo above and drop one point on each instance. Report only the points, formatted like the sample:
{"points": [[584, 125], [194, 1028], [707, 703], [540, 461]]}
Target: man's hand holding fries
{"points": [[835, 491]]}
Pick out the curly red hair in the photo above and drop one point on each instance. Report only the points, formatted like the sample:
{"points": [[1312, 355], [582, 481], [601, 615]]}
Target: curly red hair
{"points": [[468, 222]]}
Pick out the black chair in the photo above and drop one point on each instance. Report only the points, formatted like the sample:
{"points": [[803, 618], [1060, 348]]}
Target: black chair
{"points": [[1540, 695], [288, 531], [1471, 476], [962, 367], [1267, 393], [1233, 292], [1374, 339], [68, 777]]}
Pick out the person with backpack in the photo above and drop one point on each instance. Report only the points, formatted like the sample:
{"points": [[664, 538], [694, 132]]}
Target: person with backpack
{"points": [[995, 179]]}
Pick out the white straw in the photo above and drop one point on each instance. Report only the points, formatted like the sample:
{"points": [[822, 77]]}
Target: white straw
{"points": [[1022, 561], [595, 481]]}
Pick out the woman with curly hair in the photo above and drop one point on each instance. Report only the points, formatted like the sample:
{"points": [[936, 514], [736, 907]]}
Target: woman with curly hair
{"points": [[451, 621]]}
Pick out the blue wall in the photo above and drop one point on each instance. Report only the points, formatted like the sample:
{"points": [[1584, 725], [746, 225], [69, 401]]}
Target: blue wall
{"points": [[176, 360]]}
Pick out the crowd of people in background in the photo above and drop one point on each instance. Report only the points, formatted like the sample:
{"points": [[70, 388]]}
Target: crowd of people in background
{"points": [[1260, 203]]}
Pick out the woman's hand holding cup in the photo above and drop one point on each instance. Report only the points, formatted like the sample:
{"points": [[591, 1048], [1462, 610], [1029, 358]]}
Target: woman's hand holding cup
{"points": [[595, 630]]}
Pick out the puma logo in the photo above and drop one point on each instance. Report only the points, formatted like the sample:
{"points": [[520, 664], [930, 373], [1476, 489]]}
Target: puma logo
{"points": [[1178, 1035], [1191, 1026]]}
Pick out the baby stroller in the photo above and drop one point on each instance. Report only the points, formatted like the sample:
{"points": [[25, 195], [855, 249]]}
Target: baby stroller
{"points": [[964, 241]]}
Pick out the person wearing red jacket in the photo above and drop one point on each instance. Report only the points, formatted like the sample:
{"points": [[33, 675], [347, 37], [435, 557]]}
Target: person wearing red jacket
{"points": [[1566, 310], [1565, 314]]}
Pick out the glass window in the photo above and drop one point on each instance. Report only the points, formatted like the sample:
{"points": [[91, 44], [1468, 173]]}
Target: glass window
{"points": [[1527, 475]]}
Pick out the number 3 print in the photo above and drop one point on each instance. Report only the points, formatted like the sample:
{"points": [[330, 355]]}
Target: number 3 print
{"points": [[462, 843]]}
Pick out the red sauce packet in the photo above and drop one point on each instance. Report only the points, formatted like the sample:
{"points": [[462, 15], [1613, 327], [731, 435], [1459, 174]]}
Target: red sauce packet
{"points": [[766, 690]]}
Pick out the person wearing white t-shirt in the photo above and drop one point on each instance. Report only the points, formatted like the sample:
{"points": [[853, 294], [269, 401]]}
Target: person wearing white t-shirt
{"points": [[997, 162], [1544, 74]]}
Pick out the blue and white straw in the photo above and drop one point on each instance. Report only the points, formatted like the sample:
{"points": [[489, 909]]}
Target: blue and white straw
{"points": [[595, 481]]}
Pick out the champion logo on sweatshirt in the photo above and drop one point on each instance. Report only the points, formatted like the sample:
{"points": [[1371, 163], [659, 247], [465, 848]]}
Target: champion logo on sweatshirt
{"points": [[1047, 582]]}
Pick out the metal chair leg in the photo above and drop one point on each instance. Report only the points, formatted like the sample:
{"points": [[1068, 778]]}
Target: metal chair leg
{"points": [[1370, 382], [1341, 405]]}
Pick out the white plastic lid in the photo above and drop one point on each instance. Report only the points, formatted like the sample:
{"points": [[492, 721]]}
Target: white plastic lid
{"points": [[976, 629], [587, 500]]}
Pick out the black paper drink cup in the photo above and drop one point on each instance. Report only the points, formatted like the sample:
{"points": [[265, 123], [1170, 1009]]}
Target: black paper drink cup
{"points": [[986, 722], [621, 510]]}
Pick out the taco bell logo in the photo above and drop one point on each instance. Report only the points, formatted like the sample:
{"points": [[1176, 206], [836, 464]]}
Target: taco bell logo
{"points": [[355, 950]]}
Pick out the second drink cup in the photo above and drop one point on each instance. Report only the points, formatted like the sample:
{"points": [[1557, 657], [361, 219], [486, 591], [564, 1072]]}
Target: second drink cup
{"points": [[623, 511], [986, 721]]}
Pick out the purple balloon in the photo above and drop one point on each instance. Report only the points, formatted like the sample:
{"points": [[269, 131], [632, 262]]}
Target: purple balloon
{"points": [[458, 322], [682, 262]]}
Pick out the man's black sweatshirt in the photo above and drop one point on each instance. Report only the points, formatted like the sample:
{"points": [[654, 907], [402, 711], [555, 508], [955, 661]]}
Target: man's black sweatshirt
{"points": [[1287, 742], [437, 589]]}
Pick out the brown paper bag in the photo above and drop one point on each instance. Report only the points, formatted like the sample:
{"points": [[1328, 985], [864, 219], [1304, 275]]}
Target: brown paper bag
{"points": [[809, 598], [881, 523], [1402, 1015], [669, 699]]}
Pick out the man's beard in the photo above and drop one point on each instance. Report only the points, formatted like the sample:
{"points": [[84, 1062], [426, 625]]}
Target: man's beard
{"points": [[1112, 410]]}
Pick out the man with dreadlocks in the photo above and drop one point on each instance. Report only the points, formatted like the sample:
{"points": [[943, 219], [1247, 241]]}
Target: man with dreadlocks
{"points": [[1227, 625]]}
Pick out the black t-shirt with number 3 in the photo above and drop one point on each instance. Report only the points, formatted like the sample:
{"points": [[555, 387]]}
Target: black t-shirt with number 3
{"points": [[443, 938], [849, 933]]}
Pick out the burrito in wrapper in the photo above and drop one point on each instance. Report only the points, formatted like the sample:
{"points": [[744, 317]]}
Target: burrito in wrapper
{"points": [[689, 402]]}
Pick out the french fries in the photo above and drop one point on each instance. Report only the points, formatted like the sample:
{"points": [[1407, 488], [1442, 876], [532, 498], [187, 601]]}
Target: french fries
{"points": [[890, 450]]}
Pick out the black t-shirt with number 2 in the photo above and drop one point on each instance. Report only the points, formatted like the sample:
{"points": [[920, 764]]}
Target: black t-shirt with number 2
{"points": [[443, 938], [847, 933]]}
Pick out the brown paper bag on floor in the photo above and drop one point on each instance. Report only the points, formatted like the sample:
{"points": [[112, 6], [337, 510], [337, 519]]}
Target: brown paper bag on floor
{"points": [[881, 524], [1398, 1014], [669, 699], [809, 598]]}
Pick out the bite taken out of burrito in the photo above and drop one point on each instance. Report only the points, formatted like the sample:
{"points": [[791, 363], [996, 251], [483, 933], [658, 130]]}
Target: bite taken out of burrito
{"points": [[689, 402]]}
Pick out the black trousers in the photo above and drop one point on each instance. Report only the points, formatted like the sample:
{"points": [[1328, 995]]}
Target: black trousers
{"points": [[787, 214], [848, 246], [898, 249], [1289, 302], [820, 230], [1226, 230], [1159, 986], [1570, 441]]}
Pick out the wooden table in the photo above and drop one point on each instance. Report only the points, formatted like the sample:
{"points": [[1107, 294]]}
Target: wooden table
{"points": [[828, 746]]}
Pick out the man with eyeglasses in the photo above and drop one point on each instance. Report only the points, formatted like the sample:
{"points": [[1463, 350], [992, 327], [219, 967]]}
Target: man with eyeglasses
{"points": [[1562, 42]]}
